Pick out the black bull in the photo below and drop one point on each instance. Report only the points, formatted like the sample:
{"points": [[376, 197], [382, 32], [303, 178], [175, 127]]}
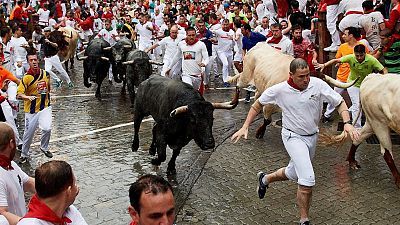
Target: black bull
{"points": [[180, 113], [96, 63], [120, 51]]}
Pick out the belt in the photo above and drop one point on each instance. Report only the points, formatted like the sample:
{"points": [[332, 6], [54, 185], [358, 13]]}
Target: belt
{"points": [[305, 135]]}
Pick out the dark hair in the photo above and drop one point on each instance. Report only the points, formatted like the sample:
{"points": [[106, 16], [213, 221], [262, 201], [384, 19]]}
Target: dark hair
{"points": [[52, 178], [247, 27], [15, 28], [213, 16], [190, 29], [238, 23], [354, 31], [297, 63], [277, 25], [295, 4], [147, 184], [297, 27], [360, 48], [368, 5], [20, 2], [4, 31]]}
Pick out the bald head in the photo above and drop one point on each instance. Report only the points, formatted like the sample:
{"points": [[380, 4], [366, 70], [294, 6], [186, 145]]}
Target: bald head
{"points": [[6, 134], [173, 32]]}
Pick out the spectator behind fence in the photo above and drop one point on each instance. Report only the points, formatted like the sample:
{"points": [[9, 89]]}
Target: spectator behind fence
{"points": [[151, 201], [56, 190]]}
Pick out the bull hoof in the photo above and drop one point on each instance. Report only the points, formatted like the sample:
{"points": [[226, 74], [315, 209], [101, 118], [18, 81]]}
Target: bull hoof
{"points": [[135, 146], [260, 133], [152, 151], [354, 165], [171, 171], [88, 85], [155, 162]]}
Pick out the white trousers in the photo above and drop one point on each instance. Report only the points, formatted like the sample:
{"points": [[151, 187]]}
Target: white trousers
{"points": [[354, 93], [331, 19], [301, 150], [176, 70], [55, 62], [330, 108], [227, 60], [351, 20], [9, 113], [32, 121], [195, 81]]}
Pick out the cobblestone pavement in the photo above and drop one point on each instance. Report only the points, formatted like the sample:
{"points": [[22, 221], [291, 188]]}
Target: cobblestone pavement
{"points": [[211, 187]]}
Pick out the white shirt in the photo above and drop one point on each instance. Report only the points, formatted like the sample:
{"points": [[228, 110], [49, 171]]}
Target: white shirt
{"points": [[191, 56], [109, 36], [171, 46], [97, 25], [159, 19], [261, 30], [352, 5], [144, 33], [238, 43], [269, 9], [72, 213], [52, 22], [16, 50], [43, 16], [12, 189], [3, 221], [225, 40], [285, 45], [70, 23], [301, 110], [370, 22]]}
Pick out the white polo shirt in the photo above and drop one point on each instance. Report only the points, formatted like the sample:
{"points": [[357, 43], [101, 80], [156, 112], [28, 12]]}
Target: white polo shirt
{"points": [[225, 40], [12, 189], [285, 45], [145, 34], [72, 213], [301, 110], [171, 46], [191, 56]]}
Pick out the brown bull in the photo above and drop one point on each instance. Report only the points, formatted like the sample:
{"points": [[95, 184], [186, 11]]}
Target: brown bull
{"points": [[264, 66], [71, 36]]}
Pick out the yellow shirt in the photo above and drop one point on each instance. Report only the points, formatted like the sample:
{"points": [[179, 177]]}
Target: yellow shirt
{"points": [[38, 86]]}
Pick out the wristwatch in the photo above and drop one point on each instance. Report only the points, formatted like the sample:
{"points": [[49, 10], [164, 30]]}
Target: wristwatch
{"points": [[348, 122]]}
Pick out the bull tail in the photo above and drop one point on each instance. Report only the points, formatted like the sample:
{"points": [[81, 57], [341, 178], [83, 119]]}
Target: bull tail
{"points": [[327, 139], [234, 79], [339, 84]]}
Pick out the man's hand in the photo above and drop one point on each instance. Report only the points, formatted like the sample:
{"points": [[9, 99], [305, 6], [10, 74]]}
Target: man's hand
{"points": [[242, 132], [201, 64], [320, 66], [167, 72], [353, 132], [31, 98]]}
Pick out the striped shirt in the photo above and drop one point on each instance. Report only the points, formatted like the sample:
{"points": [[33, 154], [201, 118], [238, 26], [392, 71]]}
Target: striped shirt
{"points": [[38, 86]]}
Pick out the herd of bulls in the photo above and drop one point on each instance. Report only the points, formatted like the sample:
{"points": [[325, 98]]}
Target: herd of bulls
{"points": [[182, 114]]}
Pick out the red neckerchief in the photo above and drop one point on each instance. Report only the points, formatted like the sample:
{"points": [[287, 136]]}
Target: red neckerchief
{"points": [[32, 72], [292, 84], [5, 162], [133, 223], [39, 210], [216, 22], [275, 40], [194, 42]]}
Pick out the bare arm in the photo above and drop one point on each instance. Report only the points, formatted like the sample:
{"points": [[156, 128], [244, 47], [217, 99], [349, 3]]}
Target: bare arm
{"points": [[253, 112], [348, 127], [12, 218], [25, 97], [152, 47], [29, 186], [330, 62]]}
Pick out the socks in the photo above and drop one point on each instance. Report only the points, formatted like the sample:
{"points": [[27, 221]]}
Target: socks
{"points": [[265, 181]]}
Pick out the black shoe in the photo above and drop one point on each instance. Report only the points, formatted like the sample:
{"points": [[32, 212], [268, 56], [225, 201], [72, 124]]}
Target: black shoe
{"points": [[326, 119], [19, 147], [23, 160], [305, 223], [262, 188], [47, 153], [247, 99]]}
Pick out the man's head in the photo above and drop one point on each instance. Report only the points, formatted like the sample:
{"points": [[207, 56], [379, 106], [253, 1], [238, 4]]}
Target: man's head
{"points": [[5, 33], [359, 52], [151, 201], [368, 6], [173, 32], [351, 34], [284, 24], [142, 18], [300, 73], [108, 24], [297, 33], [17, 31], [55, 179], [276, 30], [225, 25], [265, 22], [8, 145], [385, 35], [33, 60], [246, 30], [201, 26]]}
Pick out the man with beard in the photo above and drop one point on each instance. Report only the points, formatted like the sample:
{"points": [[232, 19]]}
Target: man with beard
{"points": [[34, 89], [303, 48], [193, 54], [13, 181]]}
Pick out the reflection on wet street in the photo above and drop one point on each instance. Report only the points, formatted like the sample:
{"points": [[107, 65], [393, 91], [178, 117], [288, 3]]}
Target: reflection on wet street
{"points": [[212, 187]]}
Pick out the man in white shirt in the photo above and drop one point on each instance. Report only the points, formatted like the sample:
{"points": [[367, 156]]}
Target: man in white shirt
{"points": [[263, 28], [144, 30], [170, 44], [225, 37], [17, 49], [372, 22], [301, 99], [280, 41], [111, 36], [13, 181], [194, 56], [44, 15], [214, 25], [56, 191]]}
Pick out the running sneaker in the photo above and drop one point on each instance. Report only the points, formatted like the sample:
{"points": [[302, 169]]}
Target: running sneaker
{"points": [[58, 83], [70, 85], [262, 188], [47, 153], [23, 160], [305, 223]]}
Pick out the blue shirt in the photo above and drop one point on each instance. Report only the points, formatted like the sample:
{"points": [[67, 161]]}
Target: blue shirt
{"points": [[249, 42]]}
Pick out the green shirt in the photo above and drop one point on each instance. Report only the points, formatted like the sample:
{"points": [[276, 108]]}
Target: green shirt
{"points": [[392, 58], [369, 65]]}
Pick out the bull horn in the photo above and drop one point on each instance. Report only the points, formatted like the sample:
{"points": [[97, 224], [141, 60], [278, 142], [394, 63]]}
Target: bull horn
{"points": [[107, 48], [181, 109], [85, 42], [155, 62], [339, 84], [105, 58], [82, 58], [80, 53], [228, 105], [127, 46], [128, 62]]}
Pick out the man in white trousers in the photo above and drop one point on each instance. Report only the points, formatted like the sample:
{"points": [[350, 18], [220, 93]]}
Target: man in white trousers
{"points": [[301, 99], [34, 89]]}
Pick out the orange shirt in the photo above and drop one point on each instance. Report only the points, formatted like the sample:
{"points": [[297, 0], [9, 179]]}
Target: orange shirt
{"points": [[7, 75], [344, 68]]}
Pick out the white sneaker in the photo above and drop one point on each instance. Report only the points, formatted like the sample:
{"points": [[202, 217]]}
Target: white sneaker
{"points": [[332, 48]]}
